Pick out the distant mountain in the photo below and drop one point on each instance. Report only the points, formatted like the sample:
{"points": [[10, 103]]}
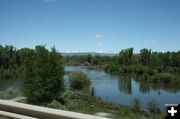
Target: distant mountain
{"points": [[91, 53]]}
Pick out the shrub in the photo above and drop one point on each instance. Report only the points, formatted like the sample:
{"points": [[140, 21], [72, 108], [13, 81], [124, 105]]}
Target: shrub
{"points": [[163, 77], [160, 69], [55, 104], [78, 80], [145, 112], [9, 93], [153, 107], [139, 69], [72, 94], [136, 104], [150, 71]]}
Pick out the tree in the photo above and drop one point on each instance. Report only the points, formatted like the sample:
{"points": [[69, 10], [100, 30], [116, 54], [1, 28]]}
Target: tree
{"points": [[89, 58], [96, 60], [43, 76], [145, 55], [125, 56]]}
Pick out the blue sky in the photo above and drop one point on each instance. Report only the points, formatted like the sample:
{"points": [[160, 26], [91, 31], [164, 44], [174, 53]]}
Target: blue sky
{"points": [[91, 25]]}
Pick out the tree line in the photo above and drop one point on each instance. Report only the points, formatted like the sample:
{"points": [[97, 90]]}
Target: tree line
{"points": [[12, 60], [41, 71], [157, 67], [127, 57]]}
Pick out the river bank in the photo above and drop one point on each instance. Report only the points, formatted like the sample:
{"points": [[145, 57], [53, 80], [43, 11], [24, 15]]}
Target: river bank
{"points": [[82, 101]]}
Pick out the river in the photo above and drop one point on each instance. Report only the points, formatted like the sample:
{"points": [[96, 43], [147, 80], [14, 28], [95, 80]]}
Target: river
{"points": [[118, 89]]}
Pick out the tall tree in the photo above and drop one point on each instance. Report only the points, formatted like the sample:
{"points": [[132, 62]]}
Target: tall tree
{"points": [[145, 55], [126, 56], [43, 76]]}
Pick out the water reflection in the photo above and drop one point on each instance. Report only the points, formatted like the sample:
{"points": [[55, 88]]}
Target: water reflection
{"points": [[144, 87], [125, 84]]}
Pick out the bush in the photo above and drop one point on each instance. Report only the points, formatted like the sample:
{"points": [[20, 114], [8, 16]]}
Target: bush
{"points": [[145, 112], [72, 94], [160, 69], [78, 80], [55, 104], [151, 71], [163, 77], [139, 69], [153, 107], [9, 93], [136, 104]]}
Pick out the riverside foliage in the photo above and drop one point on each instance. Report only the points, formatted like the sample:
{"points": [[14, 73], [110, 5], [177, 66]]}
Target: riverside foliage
{"points": [[79, 80], [155, 67]]}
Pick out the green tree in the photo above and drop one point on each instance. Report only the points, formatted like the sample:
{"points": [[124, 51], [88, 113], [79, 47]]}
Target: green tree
{"points": [[89, 58], [126, 56], [96, 60], [145, 55], [43, 76]]}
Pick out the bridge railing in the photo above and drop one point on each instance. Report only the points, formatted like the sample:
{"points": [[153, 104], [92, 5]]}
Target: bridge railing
{"points": [[27, 111]]}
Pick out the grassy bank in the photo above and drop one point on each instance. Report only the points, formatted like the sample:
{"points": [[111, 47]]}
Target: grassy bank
{"points": [[83, 102]]}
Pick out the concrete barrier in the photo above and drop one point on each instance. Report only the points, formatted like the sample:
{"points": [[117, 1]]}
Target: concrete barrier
{"points": [[41, 112], [13, 115]]}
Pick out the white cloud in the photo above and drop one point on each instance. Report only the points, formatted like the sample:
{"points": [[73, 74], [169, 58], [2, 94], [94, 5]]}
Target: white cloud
{"points": [[150, 41], [97, 35], [99, 43]]}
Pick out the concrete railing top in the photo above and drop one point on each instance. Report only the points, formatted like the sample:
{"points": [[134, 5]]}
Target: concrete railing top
{"points": [[4, 114], [42, 112]]}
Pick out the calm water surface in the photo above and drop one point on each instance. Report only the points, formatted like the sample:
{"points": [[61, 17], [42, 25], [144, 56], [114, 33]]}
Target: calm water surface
{"points": [[117, 89], [122, 91]]}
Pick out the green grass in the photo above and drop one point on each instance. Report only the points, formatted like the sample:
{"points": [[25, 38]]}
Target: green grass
{"points": [[83, 102]]}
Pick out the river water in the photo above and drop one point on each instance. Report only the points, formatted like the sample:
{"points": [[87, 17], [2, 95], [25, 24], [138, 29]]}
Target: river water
{"points": [[118, 89]]}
